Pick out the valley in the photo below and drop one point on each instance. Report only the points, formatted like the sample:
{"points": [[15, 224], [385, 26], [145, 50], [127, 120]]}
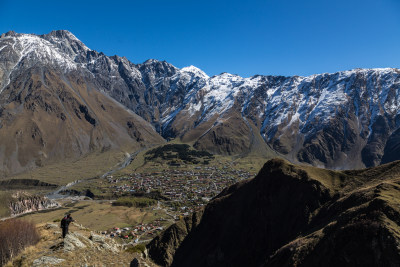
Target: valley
{"points": [[175, 185], [176, 168]]}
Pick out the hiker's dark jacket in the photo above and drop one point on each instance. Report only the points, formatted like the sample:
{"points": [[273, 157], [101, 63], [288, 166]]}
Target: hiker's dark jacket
{"points": [[65, 222]]}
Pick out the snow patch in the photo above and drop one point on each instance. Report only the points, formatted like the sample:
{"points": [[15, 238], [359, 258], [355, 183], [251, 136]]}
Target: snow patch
{"points": [[196, 71]]}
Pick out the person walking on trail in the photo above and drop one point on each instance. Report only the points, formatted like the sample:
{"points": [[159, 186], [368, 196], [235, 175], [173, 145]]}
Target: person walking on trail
{"points": [[65, 223]]}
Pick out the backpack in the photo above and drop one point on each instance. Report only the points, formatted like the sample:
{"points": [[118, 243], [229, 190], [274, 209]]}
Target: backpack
{"points": [[63, 222]]}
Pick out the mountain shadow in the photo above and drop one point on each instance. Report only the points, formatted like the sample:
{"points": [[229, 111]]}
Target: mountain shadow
{"points": [[292, 215]]}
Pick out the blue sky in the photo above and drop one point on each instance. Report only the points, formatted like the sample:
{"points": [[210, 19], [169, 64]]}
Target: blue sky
{"points": [[270, 37]]}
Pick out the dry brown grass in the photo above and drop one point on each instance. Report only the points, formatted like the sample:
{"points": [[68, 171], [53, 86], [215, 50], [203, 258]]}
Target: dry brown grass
{"points": [[98, 215]]}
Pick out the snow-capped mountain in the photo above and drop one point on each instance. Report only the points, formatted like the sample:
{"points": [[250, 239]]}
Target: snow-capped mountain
{"points": [[347, 119], [51, 108]]}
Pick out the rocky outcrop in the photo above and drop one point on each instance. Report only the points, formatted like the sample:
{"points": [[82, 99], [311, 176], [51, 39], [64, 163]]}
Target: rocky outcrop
{"points": [[162, 248], [24, 203], [81, 247], [46, 261], [75, 241], [294, 216], [105, 243]]}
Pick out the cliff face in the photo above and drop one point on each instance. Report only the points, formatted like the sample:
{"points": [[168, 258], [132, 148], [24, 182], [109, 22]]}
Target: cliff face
{"points": [[24, 203], [294, 216], [164, 246]]}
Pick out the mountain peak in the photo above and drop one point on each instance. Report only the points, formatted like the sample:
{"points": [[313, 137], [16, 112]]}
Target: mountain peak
{"points": [[66, 41], [62, 34], [8, 34], [359, 106], [33, 49], [151, 61], [196, 71]]}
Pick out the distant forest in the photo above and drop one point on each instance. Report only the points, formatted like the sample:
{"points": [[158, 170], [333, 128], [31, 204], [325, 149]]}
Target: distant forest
{"points": [[178, 151]]}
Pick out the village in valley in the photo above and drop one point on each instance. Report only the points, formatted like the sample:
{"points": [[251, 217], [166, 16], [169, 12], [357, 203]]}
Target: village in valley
{"points": [[129, 206], [189, 187], [183, 192], [158, 187]]}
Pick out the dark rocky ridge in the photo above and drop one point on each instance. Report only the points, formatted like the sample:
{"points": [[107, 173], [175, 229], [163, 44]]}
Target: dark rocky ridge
{"points": [[293, 216]]}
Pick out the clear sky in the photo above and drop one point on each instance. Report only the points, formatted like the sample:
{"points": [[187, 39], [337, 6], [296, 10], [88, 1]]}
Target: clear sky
{"points": [[270, 37]]}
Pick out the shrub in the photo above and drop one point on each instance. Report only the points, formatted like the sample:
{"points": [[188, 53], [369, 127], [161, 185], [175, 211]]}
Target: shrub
{"points": [[15, 235], [140, 248], [137, 202]]}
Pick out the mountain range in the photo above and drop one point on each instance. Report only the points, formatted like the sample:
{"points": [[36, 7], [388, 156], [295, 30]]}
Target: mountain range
{"points": [[59, 99]]}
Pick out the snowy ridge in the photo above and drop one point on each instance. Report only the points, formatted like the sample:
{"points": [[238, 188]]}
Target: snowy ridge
{"points": [[161, 93], [194, 71], [283, 101], [34, 48]]}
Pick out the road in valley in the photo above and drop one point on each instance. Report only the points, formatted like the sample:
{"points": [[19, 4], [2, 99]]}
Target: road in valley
{"points": [[128, 159]]}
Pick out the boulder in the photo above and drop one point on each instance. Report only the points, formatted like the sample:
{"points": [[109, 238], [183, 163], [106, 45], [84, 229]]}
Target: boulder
{"points": [[97, 238], [51, 226], [72, 242]]}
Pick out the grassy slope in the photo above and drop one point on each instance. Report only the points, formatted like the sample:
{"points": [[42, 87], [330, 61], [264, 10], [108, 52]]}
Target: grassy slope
{"points": [[89, 166], [98, 215], [61, 173]]}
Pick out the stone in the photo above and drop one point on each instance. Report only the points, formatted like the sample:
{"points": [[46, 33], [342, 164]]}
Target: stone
{"points": [[97, 238], [111, 247], [51, 226], [72, 242], [46, 261]]}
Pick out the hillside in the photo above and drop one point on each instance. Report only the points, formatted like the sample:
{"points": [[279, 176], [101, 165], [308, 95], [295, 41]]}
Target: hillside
{"points": [[291, 215], [82, 246], [52, 110]]}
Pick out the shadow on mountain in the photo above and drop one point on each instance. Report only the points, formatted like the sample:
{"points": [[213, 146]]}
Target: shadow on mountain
{"points": [[292, 215]]}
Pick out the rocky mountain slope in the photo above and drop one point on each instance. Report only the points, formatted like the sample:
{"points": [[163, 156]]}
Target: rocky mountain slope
{"points": [[51, 107], [292, 215], [342, 120]]}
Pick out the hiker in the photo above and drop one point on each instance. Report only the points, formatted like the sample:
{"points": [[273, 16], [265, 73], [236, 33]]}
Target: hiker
{"points": [[65, 223]]}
